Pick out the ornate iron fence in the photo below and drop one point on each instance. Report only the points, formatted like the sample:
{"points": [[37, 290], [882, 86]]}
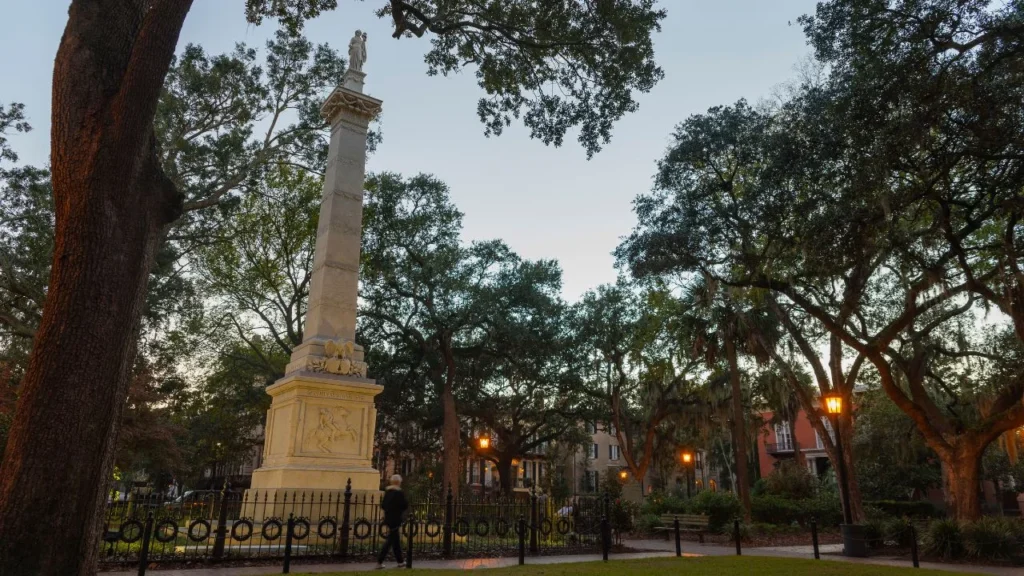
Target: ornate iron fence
{"points": [[345, 525]]}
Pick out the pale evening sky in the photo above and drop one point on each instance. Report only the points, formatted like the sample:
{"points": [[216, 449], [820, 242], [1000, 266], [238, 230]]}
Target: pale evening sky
{"points": [[544, 202]]}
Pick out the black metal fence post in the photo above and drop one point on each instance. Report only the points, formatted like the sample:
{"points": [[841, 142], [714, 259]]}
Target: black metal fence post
{"points": [[346, 519], [534, 523], [606, 532], [147, 533], [913, 547], [449, 512], [288, 544], [522, 540], [736, 536], [222, 524], [679, 544], [411, 523], [814, 539]]}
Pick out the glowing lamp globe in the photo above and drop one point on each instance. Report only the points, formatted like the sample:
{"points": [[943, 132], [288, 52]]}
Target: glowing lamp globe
{"points": [[485, 443], [833, 404], [687, 457]]}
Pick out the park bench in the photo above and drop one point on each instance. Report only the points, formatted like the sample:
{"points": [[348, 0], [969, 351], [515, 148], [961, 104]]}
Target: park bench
{"points": [[697, 523]]}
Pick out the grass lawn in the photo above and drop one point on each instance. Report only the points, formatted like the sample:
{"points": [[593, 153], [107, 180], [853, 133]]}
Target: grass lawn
{"points": [[709, 566]]}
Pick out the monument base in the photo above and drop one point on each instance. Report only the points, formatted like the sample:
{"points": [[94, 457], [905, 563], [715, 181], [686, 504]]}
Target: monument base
{"points": [[319, 435]]}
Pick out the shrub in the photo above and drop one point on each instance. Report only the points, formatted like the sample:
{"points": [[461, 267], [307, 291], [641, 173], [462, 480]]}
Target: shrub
{"points": [[989, 538], [825, 508], [647, 523], [771, 509], [873, 531], [944, 539], [912, 509], [663, 504], [622, 513], [898, 531], [721, 508], [790, 481]]}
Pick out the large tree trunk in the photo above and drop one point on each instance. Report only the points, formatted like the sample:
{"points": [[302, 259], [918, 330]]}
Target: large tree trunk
{"points": [[505, 474], [112, 204], [856, 503], [962, 477], [739, 429], [451, 442]]}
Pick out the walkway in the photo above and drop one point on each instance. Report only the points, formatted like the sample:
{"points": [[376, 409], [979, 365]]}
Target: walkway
{"points": [[828, 552], [655, 548]]}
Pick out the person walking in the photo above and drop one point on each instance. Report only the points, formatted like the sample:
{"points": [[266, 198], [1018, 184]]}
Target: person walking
{"points": [[394, 505]]}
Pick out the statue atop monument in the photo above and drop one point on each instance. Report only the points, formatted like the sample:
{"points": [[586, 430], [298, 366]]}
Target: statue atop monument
{"points": [[357, 51]]}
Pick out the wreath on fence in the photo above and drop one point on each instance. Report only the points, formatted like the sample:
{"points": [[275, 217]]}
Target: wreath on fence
{"points": [[203, 531], [166, 531], [271, 529], [330, 523], [131, 531], [242, 535]]}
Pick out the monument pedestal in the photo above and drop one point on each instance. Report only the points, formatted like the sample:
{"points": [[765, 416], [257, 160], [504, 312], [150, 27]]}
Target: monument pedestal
{"points": [[319, 434]]}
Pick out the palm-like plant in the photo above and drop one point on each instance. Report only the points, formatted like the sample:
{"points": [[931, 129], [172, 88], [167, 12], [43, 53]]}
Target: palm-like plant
{"points": [[721, 324]]}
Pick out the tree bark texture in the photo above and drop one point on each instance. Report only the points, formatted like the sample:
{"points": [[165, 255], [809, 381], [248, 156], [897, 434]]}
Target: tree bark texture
{"points": [[451, 442], [962, 481], [112, 205], [739, 429]]}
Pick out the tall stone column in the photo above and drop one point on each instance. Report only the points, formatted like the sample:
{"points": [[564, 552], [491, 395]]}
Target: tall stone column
{"points": [[320, 426]]}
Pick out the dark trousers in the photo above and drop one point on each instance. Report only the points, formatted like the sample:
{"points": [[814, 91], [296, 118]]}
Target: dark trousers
{"points": [[393, 541]]}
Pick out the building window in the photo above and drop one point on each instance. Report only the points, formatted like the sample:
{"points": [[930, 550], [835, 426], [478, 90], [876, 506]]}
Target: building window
{"points": [[783, 439], [613, 452], [591, 481], [713, 485], [593, 451], [611, 429], [591, 428]]}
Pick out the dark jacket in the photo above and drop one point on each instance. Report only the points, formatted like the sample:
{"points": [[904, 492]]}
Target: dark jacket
{"points": [[394, 505]]}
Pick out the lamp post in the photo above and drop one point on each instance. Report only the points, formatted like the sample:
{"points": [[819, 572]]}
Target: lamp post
{"points": [[484, 443], [853, 536], [687, 462]]}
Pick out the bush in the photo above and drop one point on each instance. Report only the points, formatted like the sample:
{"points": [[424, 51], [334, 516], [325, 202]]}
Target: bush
{"points": [[989, 538], [771, 509], [912, 509], [898, 532], [622, 513], [825, 508], [944, 539], [873, 531], [663, 504], [790, 481], [647, 523], [720, 507]]}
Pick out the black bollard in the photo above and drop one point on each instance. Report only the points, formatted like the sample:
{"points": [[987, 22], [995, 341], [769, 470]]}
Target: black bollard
{"points": [[814, 539], [522, 540], [412, 531], [913, 546], [147, 533], [679, 544], [288, 544], [736, 536]]}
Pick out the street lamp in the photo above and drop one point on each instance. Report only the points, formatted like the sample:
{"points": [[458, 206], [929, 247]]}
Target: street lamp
{"points": [[623, 475], [484, 442], [687, 461], [853, 541]]}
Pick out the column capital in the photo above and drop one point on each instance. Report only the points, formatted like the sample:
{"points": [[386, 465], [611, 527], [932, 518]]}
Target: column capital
{"points": [[346, 100]]}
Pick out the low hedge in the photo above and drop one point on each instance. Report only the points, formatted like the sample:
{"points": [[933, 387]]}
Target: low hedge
{"points": [[910, 509]]}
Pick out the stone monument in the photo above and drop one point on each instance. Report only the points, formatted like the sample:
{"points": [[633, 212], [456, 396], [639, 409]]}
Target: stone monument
{"points": [[320, 426]]}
